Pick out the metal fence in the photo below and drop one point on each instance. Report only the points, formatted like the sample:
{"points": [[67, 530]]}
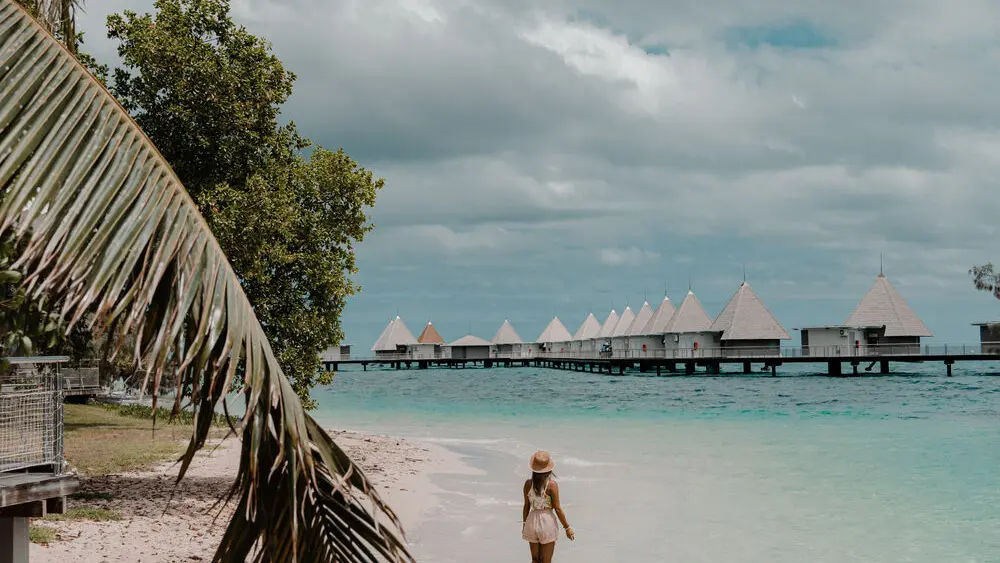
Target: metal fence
{"points": [[31, 415]]}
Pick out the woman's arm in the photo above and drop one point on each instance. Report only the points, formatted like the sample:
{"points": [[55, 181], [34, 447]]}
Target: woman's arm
{"points": [[554, 491], [527, 504]]}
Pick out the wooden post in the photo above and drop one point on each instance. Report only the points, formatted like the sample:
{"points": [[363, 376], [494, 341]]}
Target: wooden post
{"points": [[948, 363], [774, 370], [689, 368], [833, 368], [14, 540], [854, 366], [657, 370], [884, 366], [746, 367]]}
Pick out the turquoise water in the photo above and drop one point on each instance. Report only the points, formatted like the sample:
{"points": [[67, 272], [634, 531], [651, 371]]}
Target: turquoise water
{"points": [[794, 468]]}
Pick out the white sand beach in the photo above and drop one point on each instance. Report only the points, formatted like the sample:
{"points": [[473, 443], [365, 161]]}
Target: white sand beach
{"points": [[164, 523]]}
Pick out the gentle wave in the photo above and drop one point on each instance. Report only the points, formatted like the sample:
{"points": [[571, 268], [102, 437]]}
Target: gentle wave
{"points": [[577, 462]]}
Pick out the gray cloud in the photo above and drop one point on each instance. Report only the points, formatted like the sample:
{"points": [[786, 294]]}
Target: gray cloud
{"points": [[525, 140]]}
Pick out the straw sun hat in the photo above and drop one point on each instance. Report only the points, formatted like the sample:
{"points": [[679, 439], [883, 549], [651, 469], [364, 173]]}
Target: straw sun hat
{"points": [[541, 462]]}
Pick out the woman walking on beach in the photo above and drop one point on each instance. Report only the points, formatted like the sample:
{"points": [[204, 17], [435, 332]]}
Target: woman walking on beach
{"points": [[541, 507]]}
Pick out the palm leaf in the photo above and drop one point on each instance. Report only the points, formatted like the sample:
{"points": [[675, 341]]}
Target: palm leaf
{"points": [[111, 237]]}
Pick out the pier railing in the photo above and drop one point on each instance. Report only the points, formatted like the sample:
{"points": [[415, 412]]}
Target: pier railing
{"points": [[821, 353]]}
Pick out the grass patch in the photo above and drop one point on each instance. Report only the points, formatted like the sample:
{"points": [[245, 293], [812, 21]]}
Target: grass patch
{"points": [[91, 513], [163, 415], [91, 495], [42, 535], [101, 442]]}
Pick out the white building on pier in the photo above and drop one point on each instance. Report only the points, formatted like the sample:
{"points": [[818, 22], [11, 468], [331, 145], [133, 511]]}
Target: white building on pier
{"points": [[508, 344], [469, 347], [686, 333], [395, 342], [604, 336], [555, 338], [747, 325], [583, 338], [652, 341], [634, 336], [898, 326], [429, 343], [619, 336]]}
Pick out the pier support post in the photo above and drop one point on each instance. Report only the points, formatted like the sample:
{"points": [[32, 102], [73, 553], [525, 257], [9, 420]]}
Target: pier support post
{"points": [[833, 369], [364, 367], [747, 367], [422, 365], [774, 370], [714, 368], [14, 540], [689, 368], [621, 369], [643, 368], [948, 364], [854, 367], [884, 366], [657, 370]]}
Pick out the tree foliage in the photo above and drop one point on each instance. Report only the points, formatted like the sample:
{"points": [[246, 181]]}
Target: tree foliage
{"points": [[208, 93], [986, 278], [295, 226]]}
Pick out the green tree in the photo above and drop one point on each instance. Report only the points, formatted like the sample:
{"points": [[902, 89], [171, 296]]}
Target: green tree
{"points": [[294, 226], [208, 93]]}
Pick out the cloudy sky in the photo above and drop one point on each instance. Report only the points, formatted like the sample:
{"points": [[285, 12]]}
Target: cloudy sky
{"points": [[561, 157]]}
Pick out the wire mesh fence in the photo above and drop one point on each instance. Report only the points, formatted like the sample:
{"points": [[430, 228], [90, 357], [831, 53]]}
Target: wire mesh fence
{"points": [[31, 416]]}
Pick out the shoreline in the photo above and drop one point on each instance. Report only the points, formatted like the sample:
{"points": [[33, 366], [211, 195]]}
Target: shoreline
{"points": [[163, 523]]}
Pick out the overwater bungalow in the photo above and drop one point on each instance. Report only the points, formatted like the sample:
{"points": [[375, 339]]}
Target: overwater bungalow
{"points": [[508, 344], [746, 324], [989, 336], [635, 333], [469, 347], [334, 354], [604, 336], [687, 333], [555, 337], [584, 336], [429, 343], [889, 318], [651, 341], [396, 341], [619, 336]]}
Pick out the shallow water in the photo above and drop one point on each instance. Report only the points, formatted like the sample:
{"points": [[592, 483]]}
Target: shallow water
{"points": [[732, 468]]}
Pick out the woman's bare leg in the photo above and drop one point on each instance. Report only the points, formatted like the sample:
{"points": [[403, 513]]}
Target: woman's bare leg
{"points": [[536, 553], [546, 550]]}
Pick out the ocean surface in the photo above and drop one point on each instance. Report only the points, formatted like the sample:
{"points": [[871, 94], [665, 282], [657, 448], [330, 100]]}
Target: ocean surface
{"points": [[799, 468]]}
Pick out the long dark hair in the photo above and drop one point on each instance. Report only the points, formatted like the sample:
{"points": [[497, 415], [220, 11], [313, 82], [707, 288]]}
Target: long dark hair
{"points": [[540, 481]]}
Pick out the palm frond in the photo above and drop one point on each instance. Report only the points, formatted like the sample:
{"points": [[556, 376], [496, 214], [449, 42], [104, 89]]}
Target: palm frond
{"points": [[112, 237]]}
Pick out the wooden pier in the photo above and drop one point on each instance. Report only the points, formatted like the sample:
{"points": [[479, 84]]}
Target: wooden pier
{"points": [[837, 362]]}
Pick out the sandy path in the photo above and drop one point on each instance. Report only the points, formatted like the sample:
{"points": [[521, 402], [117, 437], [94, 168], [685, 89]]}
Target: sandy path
{"points": [[401, 469]]}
